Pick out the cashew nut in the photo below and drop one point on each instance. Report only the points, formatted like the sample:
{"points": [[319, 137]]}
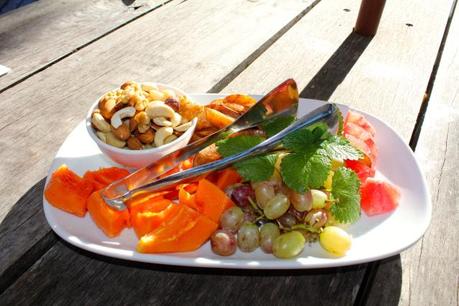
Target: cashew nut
{"points": [[170, 138], [155, 94], [159, 109], [162, 121], [102, 136], [176, 119], [148, 88], [162, 134], [183, 127], [99, 122], [112, 140], [121, 114]]}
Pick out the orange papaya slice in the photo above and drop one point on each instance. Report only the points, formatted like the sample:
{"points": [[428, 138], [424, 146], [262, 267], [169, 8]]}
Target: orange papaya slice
{"points": [[228, 177], [190, 240], [180, 222], [68, 191], [211, 200], [188, 199], [146, 220], [105, 176], [109, 220]]}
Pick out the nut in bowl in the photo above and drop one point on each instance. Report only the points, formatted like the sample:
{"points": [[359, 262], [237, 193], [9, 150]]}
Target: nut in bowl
{"points": [[139, 123]]}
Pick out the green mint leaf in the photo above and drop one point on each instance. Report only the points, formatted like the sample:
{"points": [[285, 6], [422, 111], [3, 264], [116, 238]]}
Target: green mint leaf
{"points": [[339, 148], [301, 172], [346, 192], [293, 171], [305, 141], [257, 169], [238, 144], [274, 126], [319, 165]]}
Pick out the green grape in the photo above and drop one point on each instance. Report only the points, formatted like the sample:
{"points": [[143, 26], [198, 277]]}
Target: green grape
{"points": [[263, 193], [335, 240], [301, 201], [288, 245], [276, 207], [287, 220], [223, 243], [268, 233], [248, 237], [232, 219], [318, 198]]}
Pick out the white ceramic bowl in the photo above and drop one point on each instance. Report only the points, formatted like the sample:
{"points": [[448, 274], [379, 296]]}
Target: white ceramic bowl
{"points": [[140, 158]]}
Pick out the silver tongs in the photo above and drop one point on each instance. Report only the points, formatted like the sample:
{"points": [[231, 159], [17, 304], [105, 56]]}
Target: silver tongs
{"points": [[279, 102], [326, 113]]}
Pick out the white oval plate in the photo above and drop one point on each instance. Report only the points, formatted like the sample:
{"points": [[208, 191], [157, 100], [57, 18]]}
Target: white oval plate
{"points": [[373, 237]]}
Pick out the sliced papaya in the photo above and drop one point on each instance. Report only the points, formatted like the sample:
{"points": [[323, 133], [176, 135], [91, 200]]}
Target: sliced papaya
{"points": [[211, 200], [68, 191], [189, 240], [105, 176], [228, 177], [183, 219], [109, 220], [188, 199], [146, 221], [139, 200]]}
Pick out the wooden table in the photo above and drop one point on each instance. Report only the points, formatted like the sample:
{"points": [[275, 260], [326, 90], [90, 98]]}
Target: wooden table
{"points": [[64, 54]]}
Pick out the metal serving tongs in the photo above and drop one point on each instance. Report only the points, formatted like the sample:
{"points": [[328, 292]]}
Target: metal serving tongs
{"points": [[326, 113], [281, 101]]}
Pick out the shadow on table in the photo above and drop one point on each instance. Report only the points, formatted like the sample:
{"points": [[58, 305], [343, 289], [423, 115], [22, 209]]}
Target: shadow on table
{"points": [[333, 72]]}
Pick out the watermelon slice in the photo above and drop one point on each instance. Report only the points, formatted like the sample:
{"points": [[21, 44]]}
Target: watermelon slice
{"points": [[378, 197], [363, 171], [360, 120]]}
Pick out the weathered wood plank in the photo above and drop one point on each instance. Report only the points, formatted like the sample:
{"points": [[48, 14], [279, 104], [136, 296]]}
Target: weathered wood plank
{"points": [[86, 278], [58, 97], [23, 236], [431, 268], [386, 75], [38, 34]]}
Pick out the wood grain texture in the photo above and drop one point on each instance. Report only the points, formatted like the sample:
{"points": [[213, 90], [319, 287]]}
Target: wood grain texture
{"points": [[38, 34], [386, 75], [57, 98], [84, 277], [431, 267], [23, 236], [193, 46]]}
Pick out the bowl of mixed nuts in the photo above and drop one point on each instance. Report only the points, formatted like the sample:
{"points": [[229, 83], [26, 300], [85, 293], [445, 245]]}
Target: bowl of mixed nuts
{"points": [[139, 123]]}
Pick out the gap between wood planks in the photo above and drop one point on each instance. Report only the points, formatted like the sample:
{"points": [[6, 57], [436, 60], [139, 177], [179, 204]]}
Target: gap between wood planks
{"points": [[373, 267], [50, 239], [60, 58]]}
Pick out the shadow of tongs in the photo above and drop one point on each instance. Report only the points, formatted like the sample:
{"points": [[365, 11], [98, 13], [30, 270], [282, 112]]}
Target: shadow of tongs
{"points": [[326, 113]]}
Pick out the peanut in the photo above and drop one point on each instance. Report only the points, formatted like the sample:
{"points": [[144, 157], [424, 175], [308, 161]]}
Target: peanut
{"points": [[146, 137], [134, 144], [122, 132]]}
